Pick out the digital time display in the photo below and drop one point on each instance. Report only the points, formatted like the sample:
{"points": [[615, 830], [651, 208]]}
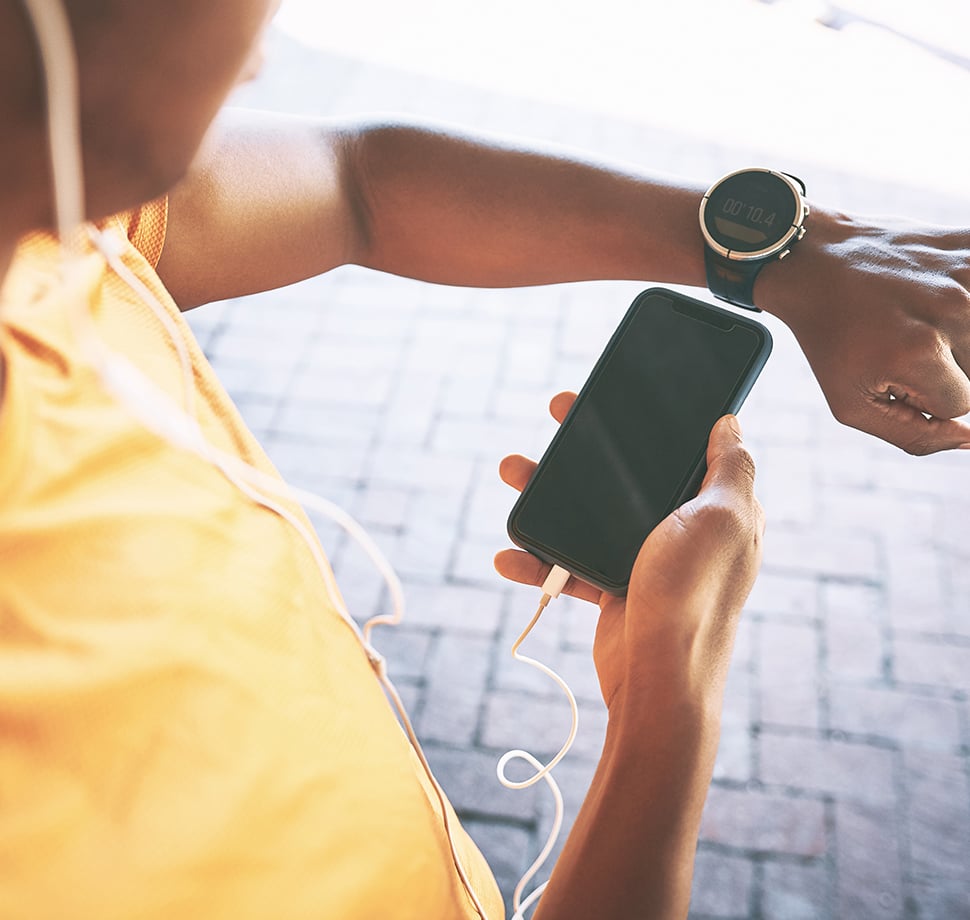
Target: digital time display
{"points": [[750, 211]]}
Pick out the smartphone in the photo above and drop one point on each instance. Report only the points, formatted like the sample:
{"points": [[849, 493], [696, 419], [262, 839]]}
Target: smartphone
{"points": [[633, 446]]}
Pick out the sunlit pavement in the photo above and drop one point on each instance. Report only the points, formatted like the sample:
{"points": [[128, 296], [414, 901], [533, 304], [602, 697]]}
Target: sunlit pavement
{"points": [[841, 788]]}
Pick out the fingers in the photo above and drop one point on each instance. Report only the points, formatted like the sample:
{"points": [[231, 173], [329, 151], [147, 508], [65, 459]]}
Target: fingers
{"points": [[524, 568], [929, 377], [560, 404], [896, 408], [938, 385], [516, 471], [517, 565], [901, 423]]}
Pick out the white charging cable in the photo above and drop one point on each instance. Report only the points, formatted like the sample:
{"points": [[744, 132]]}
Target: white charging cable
{"points": [[551, 588]]}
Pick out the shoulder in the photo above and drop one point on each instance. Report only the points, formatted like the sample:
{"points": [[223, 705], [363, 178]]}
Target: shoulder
{"points": [[267, 202]]}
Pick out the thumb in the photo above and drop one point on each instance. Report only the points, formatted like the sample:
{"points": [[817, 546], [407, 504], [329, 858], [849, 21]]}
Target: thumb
{"points": [[729, 465]]}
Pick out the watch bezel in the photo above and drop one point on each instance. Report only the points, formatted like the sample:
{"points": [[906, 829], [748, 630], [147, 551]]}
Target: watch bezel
{"points": [[776, 248]]}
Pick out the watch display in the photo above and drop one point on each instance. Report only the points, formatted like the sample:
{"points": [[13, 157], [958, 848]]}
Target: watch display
{"points": [[752, 213], [749, 218]]}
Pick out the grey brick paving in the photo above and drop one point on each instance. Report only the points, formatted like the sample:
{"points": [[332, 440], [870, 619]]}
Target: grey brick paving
{"points": [[841, 788]]}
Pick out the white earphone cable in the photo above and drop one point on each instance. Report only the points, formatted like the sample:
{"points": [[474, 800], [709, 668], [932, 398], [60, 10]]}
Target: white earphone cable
{"points": [[179, 425], [52, 30]]}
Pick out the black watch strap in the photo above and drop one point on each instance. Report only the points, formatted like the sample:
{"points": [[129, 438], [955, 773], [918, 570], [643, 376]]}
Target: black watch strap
{"points": [[731, 281]]}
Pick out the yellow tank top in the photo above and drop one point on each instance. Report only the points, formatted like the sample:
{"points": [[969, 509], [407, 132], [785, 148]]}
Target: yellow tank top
{"points": [[187, 727]]}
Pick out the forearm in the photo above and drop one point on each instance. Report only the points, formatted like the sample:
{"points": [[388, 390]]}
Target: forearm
{"points": [[456, 209], [631, 850]]}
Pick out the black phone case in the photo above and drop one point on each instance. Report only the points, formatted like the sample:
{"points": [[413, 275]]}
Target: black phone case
{"points": [[694, 476]]}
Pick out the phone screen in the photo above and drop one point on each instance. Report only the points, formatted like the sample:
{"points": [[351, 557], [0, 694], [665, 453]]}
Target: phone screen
{"points": [[633, 446]]}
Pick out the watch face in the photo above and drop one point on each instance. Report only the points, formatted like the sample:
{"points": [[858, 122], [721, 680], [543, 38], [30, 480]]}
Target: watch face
{"points": [[752, 213]]}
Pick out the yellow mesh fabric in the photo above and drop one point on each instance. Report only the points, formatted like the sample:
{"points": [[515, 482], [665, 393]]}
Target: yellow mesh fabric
{"points": [[187, 727]]}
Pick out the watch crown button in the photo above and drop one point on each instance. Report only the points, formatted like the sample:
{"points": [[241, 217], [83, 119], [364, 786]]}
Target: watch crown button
{"points": [[783, 254], [808, 210], [801, 233]]}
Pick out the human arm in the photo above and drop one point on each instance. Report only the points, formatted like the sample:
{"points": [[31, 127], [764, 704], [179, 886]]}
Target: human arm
{"points": [[662, 656], [273, 199], [882, 310]]}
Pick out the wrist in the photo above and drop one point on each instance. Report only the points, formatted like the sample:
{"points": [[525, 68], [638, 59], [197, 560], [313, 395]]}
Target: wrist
{"points": [[666, 750], [646, 713], [781, 287]]}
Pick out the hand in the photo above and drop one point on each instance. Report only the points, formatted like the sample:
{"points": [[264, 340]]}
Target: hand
{"points": [[882, 312], [675, 628]]}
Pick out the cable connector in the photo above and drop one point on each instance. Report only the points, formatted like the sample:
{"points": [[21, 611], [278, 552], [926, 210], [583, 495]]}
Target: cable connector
{"points": [[553, 585]]}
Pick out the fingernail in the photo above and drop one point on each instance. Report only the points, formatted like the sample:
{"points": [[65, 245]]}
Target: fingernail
{"points": [[964, 447]]}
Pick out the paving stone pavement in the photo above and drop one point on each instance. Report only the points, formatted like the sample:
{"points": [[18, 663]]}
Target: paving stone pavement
{"points": [[842, 785]]}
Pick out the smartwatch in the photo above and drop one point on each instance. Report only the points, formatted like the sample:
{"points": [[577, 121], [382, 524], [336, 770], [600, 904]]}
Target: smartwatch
{"points": [[749, 218]]}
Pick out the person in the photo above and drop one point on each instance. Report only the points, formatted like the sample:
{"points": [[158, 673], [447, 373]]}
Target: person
{"points": [[188, 727]]}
